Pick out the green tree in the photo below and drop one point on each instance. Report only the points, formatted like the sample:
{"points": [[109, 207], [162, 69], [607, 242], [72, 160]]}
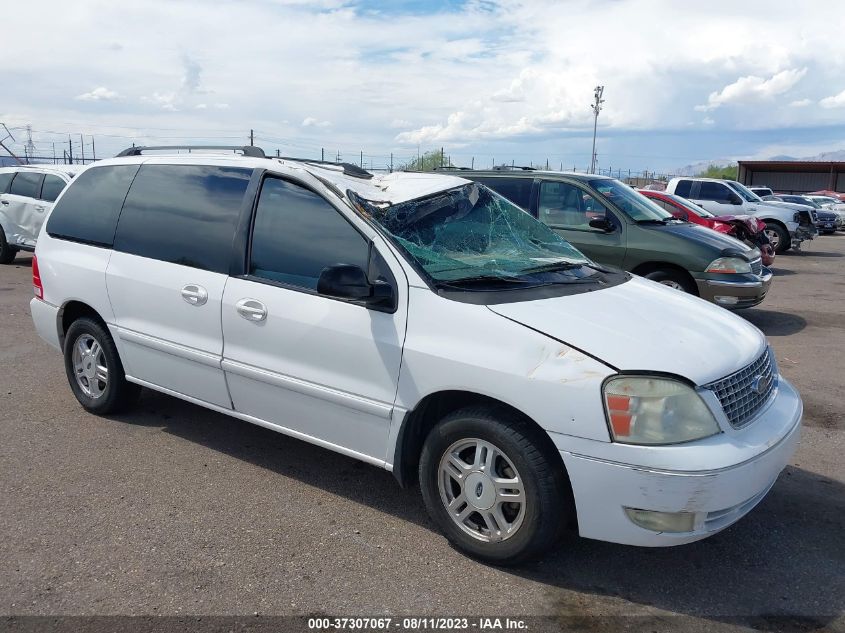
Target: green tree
{"points": [[427, 162], [727, 172]]}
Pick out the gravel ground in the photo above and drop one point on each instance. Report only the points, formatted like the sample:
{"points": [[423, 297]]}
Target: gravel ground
{"points": [[176, 510]]}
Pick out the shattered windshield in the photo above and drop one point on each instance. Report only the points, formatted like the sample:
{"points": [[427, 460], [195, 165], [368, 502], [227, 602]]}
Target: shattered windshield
{"points": [[634, 204], [470, 233]]}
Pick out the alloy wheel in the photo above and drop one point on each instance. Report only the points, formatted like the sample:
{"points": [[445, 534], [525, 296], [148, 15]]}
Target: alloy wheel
{"points": [[89, 366], [481, 489]]}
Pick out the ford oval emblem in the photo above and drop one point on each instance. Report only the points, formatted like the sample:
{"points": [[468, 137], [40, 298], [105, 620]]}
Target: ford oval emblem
{"points": [[760, 384]]}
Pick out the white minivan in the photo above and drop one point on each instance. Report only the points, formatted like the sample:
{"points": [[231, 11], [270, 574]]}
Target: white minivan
{"points": [[27, 193], [424, 324]]}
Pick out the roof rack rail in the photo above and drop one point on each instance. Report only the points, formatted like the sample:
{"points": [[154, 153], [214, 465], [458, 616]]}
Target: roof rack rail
{"points": [[452, 168], [513, 168], [248, 150], [350, 169]]}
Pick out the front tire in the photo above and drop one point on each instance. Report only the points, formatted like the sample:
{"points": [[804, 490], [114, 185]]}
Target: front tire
{"points": [[7, 251], [494, 486], [94, 370], [778, 237], [672, 279]]}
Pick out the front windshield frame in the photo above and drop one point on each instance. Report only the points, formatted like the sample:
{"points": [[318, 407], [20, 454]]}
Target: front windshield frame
{"points": [[531, 263], [691, 206], [744, 191], [629, 201]]}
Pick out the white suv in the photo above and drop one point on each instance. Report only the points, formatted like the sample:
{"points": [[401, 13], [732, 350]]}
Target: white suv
{"points": [[27, 193], [423, 324]]}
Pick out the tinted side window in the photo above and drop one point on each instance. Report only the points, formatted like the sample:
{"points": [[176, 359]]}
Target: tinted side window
{"points": [[714, 191], [51, 188], [682, 188], [88, 211], [27, 183], [5, 179], [297, 234], [517, 190], [183, 214]]}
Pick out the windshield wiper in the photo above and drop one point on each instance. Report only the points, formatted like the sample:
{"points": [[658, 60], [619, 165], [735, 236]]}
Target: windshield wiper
{"points": [[480, 279], [654, 221], [551, 267]]}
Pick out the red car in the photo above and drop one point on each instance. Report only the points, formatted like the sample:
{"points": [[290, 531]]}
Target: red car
{"points": [[745, 228]]}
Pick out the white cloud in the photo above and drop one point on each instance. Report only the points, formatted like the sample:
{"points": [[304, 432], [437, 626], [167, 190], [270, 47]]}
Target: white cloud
{"points": [[751, 88], [99, 94], [834, 101], [800, 103], [312, 122]]}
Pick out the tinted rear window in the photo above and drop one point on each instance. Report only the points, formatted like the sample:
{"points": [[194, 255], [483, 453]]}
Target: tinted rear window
{"points": [[517, 190], [89, 209], [51, 188], [27, 183], [683, 188], [184, 214], [5, 179]]}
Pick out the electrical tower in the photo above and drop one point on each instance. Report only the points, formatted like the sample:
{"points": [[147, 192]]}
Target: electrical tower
{"points": [[29, 147]]}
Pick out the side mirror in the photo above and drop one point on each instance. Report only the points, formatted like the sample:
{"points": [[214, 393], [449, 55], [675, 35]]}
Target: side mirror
{"points": [[734, 198], [603, 224], [347, 281]]}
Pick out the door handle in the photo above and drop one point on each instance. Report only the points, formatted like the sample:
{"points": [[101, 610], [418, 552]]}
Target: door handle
{"points": [[251, 310], [5, 203], [195, 295]]}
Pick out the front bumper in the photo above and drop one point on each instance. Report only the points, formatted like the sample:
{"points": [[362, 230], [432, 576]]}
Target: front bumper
{"points": [[603, 488], [735, 294]]}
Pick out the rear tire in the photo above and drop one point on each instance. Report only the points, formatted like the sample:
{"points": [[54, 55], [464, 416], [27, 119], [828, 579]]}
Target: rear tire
{"points": [[493, 485], [672, 278], [7, 251], [94, 370], [778, 237]]}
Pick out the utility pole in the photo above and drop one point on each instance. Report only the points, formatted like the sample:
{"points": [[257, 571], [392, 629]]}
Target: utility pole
{"points": [[362, 159], [391, 162], [251, 138], [441, 157], [82, 147], [70, 149], [322, 154], [93, 149], [596, 107]]}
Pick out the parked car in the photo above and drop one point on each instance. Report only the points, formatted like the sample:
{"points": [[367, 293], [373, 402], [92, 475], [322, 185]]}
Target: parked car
{"points": [[745, 228], [827, 192], [537, 389], [785, 227], [826, 219], [27, 193], [761, 191], [828, 202], [614, 225]]}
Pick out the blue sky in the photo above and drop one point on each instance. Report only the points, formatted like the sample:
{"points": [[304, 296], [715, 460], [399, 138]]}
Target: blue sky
{"points": [[484, 79]]}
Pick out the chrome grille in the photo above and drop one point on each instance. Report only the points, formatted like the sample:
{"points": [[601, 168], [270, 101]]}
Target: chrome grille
{"points": [[743, 393], [757, 266]]}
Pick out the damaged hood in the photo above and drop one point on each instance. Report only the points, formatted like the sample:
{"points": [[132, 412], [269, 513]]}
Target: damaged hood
{"points": [[642, 325]]}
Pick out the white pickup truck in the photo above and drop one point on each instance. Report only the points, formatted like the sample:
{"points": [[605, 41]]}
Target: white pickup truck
{"points": [[785, 227]]}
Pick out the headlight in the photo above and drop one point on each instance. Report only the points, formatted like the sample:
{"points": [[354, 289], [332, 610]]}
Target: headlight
{"points": [[729, 265], [653, 410]]}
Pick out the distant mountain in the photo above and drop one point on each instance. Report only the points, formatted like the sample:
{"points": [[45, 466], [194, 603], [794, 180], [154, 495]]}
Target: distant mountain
{"points": [[697, 168]]}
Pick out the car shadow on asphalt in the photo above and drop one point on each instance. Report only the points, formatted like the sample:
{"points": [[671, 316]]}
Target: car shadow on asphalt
{"points": [[811, 253], [773, 322], [779, 568]]}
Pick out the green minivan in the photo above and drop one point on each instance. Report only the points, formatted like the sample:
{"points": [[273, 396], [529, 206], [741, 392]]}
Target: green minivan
{"points": [[614, 225]]}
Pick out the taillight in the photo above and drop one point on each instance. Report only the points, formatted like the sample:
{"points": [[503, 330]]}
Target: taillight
{"points": [[37, 288]]}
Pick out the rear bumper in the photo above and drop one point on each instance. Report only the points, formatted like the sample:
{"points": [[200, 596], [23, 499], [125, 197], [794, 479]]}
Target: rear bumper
{"points": [[45, 319], [735, 294]]}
